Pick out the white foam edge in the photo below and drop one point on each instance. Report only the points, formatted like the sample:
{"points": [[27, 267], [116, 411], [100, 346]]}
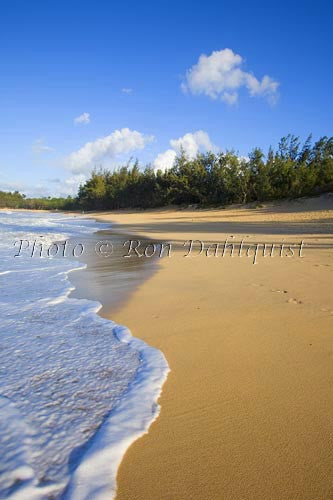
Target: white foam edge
{"points": [[96, 473], [95, 476]]}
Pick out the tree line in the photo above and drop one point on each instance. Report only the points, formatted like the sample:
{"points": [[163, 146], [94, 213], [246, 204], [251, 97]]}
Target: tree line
{"points": [[292, 170], [17, 200]]}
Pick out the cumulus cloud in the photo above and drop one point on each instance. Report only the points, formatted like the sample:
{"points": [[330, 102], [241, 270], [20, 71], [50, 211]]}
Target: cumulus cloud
{"points": [[190, 143], [84, 118], [165, 160], [39, 147], [220, 76], [108, 147]]}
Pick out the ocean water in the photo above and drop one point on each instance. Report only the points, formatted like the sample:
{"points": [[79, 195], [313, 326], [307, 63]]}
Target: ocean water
{"points": [[75, 389]]}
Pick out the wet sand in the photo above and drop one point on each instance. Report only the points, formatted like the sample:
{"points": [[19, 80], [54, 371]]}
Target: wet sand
{"points": [[108, 277], [247, 408]]}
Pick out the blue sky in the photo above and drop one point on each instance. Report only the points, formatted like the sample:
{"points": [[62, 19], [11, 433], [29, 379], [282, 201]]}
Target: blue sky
{"points": [[135, 68]]}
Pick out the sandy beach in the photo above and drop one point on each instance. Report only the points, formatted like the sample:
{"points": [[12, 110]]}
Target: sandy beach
{"points": [[166, 251], [246, 410]]}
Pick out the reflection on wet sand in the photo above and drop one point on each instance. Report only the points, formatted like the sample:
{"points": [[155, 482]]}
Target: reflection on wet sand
{"points": [[110, 277]]}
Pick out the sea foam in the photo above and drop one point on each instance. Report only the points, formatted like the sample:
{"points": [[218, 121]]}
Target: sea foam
{"points": [[75, 389]]}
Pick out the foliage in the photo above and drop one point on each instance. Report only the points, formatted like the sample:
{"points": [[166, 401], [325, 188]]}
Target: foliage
{"points": [[209, 179], [216, 179], [17, 200]]}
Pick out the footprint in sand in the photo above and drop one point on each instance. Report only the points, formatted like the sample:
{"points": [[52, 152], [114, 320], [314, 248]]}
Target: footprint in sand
{"points": [[294, 301]]}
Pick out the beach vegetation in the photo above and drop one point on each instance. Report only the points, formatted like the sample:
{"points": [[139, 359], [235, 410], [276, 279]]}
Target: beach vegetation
{"points": [[219, 179]]}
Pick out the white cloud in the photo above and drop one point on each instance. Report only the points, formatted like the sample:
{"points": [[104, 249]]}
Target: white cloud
{"points": [[190, 143], [38, 147], [84, 118], [108, 147], [220, 75], [165, 160], [127, 90]]}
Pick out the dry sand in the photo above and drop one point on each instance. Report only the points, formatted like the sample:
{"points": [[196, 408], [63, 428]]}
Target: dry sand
{"points": [[246, 412]]}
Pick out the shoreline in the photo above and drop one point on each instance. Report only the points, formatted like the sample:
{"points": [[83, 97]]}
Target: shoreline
{"points": [[245, 408], [97, 468], [105, 382]]}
